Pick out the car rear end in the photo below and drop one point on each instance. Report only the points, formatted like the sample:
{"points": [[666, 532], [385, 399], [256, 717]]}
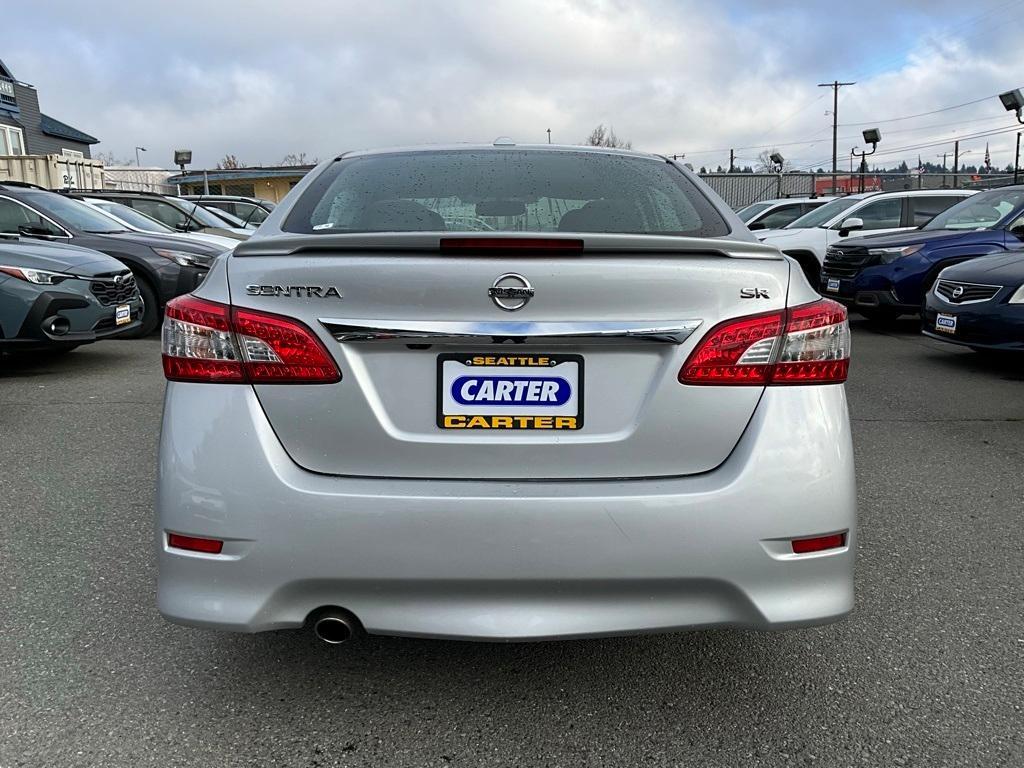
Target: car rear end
{"points": [[598, 413]]}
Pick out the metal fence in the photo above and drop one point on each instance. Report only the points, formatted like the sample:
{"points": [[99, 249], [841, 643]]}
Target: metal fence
{"points": [[742, 189]]}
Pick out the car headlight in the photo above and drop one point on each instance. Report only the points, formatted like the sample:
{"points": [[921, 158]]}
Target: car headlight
{"points": [[37, 276], [888, 255], [185, 258], [1018, 296]]}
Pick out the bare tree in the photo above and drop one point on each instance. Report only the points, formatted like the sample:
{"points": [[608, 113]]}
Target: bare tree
{"points": [[108, 158], [605, 137], [765, 164], [297, 159], [229, 162]]}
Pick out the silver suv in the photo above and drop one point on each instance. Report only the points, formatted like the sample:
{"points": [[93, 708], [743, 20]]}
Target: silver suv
{"points": [[504, 392]]}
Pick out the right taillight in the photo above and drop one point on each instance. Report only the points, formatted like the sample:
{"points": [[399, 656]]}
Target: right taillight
{"points": [[808, 344], [216, 343]]}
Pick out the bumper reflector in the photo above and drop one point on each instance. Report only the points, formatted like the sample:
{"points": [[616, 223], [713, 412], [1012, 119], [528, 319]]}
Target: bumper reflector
{"points": [[819, 543], [195, 543]]}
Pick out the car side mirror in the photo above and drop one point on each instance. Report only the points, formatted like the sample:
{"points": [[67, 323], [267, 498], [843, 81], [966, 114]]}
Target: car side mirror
{"points": [[849, 225], [755, 226], [181, 226]]}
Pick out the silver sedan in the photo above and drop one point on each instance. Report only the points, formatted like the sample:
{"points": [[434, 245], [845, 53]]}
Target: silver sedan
{"points": [[603, 408]]}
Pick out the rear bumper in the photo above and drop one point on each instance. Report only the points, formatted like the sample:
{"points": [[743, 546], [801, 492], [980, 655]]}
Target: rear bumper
{"points": [[499, 560]]}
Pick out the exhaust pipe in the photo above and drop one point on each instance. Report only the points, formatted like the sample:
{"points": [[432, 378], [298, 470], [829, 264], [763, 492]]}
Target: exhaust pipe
{"points": [[335, 626]]}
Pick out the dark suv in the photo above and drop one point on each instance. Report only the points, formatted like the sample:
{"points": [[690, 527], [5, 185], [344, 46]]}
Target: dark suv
{"points": [[164, 267], [884, 276]]}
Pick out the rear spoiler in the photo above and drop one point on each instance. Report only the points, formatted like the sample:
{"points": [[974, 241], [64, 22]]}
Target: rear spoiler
{"points": [[501, 244]]}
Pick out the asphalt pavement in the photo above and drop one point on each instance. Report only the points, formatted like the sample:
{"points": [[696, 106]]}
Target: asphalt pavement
{"points": [[926, 672]]}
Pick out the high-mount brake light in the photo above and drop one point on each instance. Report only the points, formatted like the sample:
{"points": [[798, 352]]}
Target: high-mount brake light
{"points": [[204, 341], [807, 344], [520, 246]]}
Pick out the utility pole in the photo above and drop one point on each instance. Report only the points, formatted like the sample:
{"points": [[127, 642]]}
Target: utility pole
{"points": [[956, 162], [732, 156], [1016, 159], [835, 85], [943, 156]]}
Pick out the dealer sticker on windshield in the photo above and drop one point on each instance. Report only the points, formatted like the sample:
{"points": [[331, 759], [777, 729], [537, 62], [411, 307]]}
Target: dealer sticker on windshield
{"points": [[510, 391], [945, 323]]}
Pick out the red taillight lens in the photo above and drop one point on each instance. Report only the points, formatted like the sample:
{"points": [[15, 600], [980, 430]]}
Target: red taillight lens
{"points": [[814, 348], [818, 543], [735, 352], [215, 343], [280, 349], [195, 543]]}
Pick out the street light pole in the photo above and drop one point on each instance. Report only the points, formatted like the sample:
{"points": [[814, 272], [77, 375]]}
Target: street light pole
{"points": [[137, 150], [1016, 159], [835, 85], [956, 163]]}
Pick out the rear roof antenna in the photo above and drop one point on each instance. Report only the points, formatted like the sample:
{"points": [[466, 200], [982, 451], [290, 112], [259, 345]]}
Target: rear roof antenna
{"points": [[504, 141]]}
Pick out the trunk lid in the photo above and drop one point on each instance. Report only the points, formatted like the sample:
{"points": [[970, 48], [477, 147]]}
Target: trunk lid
{"points": [[614, 324]]}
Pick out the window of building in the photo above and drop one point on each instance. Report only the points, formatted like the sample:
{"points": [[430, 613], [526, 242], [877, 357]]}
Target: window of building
{"points": [[12, 140], [72, 153]]}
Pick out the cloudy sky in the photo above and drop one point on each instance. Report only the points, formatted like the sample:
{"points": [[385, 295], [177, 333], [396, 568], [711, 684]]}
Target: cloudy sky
{"points": [[262, 79]]}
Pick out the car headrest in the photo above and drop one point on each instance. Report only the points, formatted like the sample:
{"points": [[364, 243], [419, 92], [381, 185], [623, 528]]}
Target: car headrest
{"points": [[603, 216], [400, 216]]}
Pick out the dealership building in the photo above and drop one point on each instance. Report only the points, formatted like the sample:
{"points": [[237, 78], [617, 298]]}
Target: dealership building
{"points": [[25, 130]]}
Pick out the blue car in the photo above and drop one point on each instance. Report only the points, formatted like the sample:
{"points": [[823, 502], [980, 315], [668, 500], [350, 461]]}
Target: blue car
{"points": [[885, 276], [979, 304]]}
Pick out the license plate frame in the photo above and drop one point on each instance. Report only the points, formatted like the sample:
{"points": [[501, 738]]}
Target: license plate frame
{"points": [[832, 285], [526, 417], [945, 323], [122, 314]]}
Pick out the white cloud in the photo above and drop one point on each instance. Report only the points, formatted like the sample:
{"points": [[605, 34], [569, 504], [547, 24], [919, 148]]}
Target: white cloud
{"points": [[263, 79]]}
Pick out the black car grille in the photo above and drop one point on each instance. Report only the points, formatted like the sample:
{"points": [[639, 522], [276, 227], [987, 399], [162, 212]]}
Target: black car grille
{"points": [[965, 293], [113, 290], [845, 262]]}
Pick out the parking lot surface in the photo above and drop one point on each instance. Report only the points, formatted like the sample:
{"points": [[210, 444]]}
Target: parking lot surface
{"points": [[926, 672]]}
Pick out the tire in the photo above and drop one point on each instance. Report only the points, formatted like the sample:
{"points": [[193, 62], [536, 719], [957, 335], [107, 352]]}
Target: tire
{"points": [[878, 314], [150, 311]]}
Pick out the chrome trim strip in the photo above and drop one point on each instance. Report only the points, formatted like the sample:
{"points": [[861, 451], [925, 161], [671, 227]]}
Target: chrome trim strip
{"points": [[491, 332]]}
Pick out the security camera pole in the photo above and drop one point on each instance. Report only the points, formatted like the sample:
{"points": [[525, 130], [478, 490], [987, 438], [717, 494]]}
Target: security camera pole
{"points": [[1014, 102], [835, 86], [871, 136]]}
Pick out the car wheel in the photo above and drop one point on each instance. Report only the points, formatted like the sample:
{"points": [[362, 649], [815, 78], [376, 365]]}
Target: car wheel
{"points": [[878, 314], [150, 311]]}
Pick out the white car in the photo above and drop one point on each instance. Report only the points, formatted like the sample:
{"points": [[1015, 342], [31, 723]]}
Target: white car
{"points": [[136, 221], [778, 213], [807, 238]]}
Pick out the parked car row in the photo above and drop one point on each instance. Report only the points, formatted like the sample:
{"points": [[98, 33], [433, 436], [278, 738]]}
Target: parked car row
{"points": [[76, 266], [956, 257]]}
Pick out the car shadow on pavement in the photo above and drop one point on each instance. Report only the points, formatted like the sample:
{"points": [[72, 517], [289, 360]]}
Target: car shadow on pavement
{"points": [[698, 675]]}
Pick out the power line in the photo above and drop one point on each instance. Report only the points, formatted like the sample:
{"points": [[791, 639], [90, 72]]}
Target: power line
{"points": [[921, 114]]}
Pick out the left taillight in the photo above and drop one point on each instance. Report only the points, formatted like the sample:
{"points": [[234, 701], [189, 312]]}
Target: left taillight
{"points": [[206, 341], [807, 344]]}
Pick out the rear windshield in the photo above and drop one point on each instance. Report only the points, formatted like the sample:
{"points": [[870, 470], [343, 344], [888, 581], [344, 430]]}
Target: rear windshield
{"points": [[505, 191]]}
